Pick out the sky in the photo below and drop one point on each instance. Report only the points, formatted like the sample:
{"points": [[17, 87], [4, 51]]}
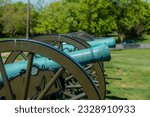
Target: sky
{"points": [[32, 1]]}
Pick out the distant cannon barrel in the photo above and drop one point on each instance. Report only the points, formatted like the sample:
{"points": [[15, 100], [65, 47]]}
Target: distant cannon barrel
{"points": [[110, 42], [69, 47], [85, 56]]}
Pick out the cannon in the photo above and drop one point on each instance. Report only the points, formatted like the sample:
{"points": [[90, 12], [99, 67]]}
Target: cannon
{"points": [[86, 56], [96, 70], [74, 43], [39, 87], [87, 37], [110, 41]]}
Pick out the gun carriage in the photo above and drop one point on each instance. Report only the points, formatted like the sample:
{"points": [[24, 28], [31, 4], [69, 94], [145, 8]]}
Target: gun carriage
{"points": [[37, 70]]}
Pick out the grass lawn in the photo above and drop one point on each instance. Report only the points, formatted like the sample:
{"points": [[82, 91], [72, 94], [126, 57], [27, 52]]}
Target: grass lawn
{"points": [[128, 74], [3, 38], [144, 40]]}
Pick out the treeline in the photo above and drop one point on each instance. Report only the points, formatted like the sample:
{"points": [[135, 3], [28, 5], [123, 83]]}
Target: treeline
{"points": [[128, 18]]}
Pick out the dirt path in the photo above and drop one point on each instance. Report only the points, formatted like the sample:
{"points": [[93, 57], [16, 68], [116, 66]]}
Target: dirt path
{"points": [[5, 54]]}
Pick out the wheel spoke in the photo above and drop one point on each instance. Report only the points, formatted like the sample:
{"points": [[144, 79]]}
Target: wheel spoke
{"points": [[5, 79], [60, 46], [68, 78], [74, 87], [78, 97], [68, 94], [51, 82], [23, 55], [89, 67], [71, 76], [27, 76], [13, 56]]}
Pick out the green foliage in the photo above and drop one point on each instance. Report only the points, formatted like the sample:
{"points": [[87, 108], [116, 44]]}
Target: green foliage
{"points": [[131, 16], [14, 18], [96, 17], [147, 17], [34, 14], [46, 22], [58, 17], [2, 2], [67, 20], [68, 16], [0, 20]]}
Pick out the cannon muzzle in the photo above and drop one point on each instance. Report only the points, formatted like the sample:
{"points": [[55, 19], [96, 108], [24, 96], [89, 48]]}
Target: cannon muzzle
{"points": [[110, 41]]}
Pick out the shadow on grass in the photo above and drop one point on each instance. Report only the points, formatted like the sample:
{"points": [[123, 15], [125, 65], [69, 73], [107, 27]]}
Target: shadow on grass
{"points": [[113, 78], [108, 92], [141, 39], [138, 39], [116, 98]]}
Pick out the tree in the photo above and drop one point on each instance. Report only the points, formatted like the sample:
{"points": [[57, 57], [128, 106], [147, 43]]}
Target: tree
{"points": [[2, 2], [80, 15], [99, 17], [58, 17], [130, 16], [147, 17], [46, 21], [67, 20], [14, 18], [0, 20], [34, 14], [96, 16]]}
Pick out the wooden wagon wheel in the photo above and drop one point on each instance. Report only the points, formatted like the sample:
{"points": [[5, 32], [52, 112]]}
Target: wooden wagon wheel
{"points": [[31, 75], [82, 35]]}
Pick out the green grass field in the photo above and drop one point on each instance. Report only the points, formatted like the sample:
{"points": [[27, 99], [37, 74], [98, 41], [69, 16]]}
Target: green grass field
{"points": [[144, 40], [128, 75]]}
